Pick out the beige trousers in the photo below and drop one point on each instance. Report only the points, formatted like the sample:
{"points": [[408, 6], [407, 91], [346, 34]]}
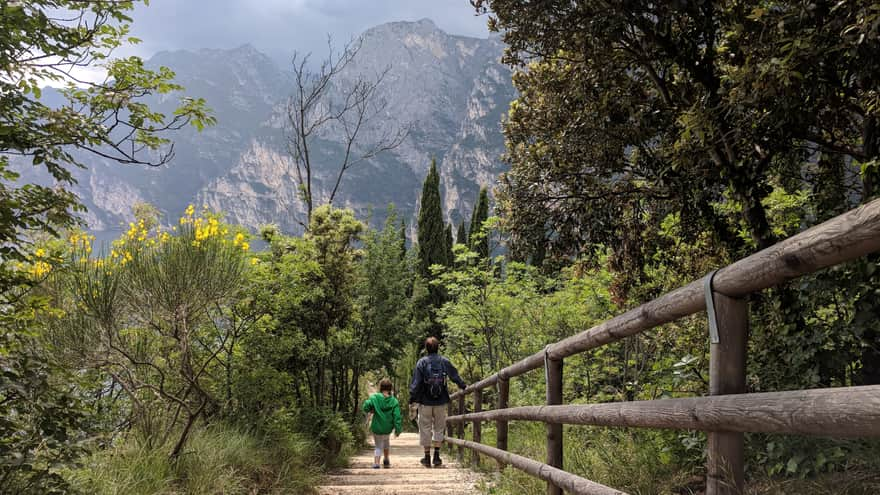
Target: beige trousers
{"points": [[432, 424]]}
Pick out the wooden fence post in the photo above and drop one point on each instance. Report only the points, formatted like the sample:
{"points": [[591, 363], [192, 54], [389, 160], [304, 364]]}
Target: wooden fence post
{"points": [[478, 425], [449, 412], [727, 375], [460, 426], [501, 425], [554, 431]]}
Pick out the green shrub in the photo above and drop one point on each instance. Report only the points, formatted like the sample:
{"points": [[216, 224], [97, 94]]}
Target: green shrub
{"points": [[331, 432], [218, 460]]}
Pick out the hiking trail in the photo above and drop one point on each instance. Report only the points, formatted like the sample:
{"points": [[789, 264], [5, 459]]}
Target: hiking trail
{"points": [[406, 475]]}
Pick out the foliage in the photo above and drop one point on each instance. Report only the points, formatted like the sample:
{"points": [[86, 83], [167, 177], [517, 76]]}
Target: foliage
{"points": [[43, 422], [46, 417], [431, 233], [479, 239], [432, 248], [145, 315], [45, 42], [461, 234], [383, 301], [219, 459], [679, 108], [659, 141]]}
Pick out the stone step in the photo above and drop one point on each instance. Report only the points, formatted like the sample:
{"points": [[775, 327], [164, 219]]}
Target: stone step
{"points": [[431, 489]]}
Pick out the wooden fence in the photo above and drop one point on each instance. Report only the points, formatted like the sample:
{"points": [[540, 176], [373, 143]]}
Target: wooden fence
{"points": [[728, 411]]}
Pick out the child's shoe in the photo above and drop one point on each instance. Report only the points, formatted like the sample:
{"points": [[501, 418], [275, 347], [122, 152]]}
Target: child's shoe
{"points": [[386, 464], [375, 466]]}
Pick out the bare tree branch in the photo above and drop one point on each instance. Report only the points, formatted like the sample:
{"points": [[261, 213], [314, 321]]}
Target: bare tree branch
{"points": [[323, 100]]}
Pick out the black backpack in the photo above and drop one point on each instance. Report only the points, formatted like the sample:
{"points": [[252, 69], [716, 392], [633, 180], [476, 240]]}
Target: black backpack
{"points": [[435, 379]]}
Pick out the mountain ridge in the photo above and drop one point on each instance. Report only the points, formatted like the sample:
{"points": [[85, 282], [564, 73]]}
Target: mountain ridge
{"points": [[451, 89]]}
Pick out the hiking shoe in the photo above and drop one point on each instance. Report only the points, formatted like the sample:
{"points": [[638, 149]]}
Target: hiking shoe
{"points": [[437, 460], [386, 463], [426, 461]]}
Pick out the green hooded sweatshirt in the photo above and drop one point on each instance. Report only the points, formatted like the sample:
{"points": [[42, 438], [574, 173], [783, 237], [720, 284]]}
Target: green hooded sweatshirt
{"points": [[386, 414]]}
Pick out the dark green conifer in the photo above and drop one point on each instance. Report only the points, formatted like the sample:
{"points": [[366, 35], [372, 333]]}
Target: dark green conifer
{"points": [[450, 258], [402, 239], [432, 238], [461, 235], [480, 245]]}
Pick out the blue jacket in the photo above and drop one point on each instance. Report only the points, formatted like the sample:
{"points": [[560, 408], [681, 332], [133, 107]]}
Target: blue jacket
{"points": [[416, 388]]}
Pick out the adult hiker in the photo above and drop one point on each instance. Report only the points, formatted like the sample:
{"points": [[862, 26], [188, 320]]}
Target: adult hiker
{"points": [[428, 389]]}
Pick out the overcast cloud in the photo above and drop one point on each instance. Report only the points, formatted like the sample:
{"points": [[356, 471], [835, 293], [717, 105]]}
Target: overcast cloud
{"points": [[278, 27]]}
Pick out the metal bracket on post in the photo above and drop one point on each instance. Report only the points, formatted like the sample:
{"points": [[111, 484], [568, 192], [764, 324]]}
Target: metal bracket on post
{"points": [[710, 308], [547, 364]]}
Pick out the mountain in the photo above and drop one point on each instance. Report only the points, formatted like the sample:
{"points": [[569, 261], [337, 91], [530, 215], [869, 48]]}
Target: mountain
{"points": [[451, 90]]}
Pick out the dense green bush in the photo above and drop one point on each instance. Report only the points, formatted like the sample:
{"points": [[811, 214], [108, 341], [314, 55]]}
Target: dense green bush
{"points": [[218, 459]]}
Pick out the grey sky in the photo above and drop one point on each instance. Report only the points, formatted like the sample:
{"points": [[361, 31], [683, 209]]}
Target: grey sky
{"points": [[278, 27]]}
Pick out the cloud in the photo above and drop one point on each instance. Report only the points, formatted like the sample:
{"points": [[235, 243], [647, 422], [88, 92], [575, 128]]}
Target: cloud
{"points": [[278, 27]]}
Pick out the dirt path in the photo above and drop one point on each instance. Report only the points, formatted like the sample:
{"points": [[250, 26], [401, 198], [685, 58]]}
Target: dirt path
{"points": [[405, 477]]}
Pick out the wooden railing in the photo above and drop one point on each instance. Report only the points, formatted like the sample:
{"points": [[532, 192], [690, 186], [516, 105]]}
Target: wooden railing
{"points": [[728, 411]]}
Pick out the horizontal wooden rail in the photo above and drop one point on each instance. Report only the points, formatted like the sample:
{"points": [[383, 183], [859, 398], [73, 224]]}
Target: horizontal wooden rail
{"points": [[569, 482], [835, 412], [843, 238]]}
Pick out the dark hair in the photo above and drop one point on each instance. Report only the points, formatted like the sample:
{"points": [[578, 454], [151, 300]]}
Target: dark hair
{"points": [[385, 385], [432, 345]]}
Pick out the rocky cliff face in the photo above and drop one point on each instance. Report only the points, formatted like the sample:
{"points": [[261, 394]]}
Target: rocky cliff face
{"points": [[451, 90]]}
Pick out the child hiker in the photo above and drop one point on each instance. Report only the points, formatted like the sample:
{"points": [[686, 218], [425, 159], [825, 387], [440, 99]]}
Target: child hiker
{"points": [[386, 417]]}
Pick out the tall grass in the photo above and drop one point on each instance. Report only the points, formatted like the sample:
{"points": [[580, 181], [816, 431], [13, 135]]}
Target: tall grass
{"points": [[217, 460], [635, 461], [657, 462]]}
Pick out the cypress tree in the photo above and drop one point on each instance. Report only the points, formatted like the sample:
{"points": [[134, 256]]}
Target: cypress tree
{"points": [[450, 258], [432, 238], [461, 235], [402, 239], [481, 213]]}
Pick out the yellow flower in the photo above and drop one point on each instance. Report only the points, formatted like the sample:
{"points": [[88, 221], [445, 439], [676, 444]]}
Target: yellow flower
{"points": [[239, 238], [245, 246], [40, 268], [254, 261], [190, 210], [40, 253]]}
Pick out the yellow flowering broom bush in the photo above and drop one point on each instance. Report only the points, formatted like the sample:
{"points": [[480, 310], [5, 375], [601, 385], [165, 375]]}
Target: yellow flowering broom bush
{"points": [[142, 314]]}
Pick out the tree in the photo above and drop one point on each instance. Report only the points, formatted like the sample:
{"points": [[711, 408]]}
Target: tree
{"points": [[461, 235], [333, 100], [47, 41], [432, 251], [705, 109], [383, 303], [147, 316], [431, 230], [479, 239], [447, 234], [679, 107], [402, 237]]}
